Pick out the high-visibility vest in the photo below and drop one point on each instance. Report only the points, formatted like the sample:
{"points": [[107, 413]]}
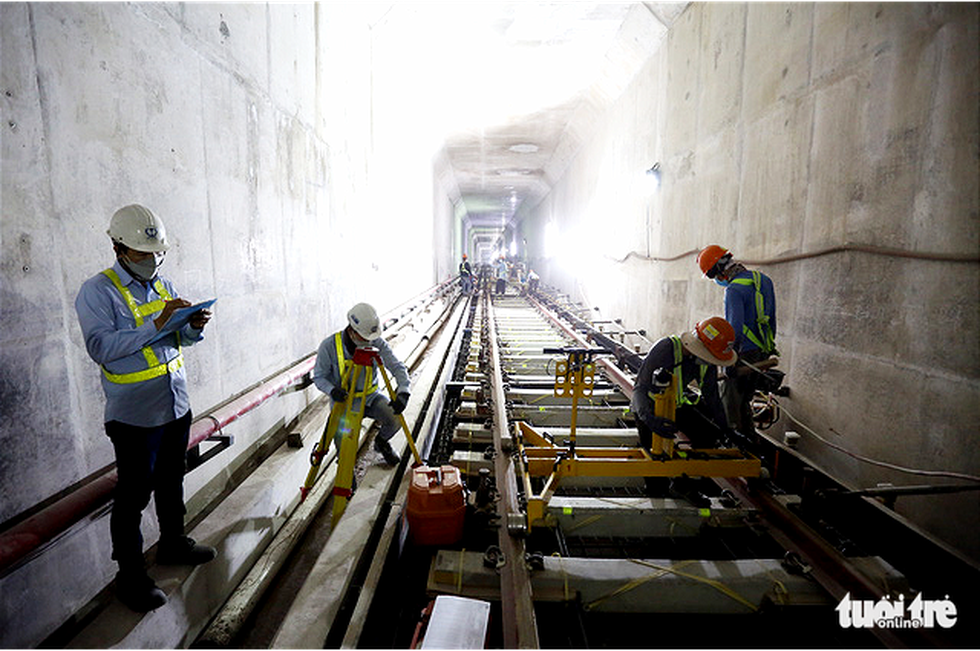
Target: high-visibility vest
{"points": [[767, 342], [678, 377], [154, 368], [342, 363]]}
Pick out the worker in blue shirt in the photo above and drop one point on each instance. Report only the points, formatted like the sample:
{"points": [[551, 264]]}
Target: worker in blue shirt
{"points": [[125, 313], [336, 352], [466, 275], [750, 306], [501, 271]]}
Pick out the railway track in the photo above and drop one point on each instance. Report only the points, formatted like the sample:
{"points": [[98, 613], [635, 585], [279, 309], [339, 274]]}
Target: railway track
{"points": [[580, 560]]}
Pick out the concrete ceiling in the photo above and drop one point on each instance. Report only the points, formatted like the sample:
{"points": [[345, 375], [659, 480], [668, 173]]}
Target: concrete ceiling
{"points": [[528, 81]]}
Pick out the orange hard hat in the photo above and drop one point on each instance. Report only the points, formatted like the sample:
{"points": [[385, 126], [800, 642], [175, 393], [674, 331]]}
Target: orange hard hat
{"points": [[709, 257], [464, 256], [712, 341]]}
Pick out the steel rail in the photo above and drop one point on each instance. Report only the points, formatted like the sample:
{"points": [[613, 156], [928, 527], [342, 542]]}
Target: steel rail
{"points": [[616, 374], [834, 572], [517, 605]]}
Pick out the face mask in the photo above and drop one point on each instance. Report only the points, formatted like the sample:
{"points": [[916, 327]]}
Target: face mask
{"points": [[721, 283], [145, 269]]}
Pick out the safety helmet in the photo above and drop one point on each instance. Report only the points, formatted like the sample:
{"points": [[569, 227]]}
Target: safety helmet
{"points": [[712, 340], [364, 320], [137, 228], [713, 260], [464, 256]]}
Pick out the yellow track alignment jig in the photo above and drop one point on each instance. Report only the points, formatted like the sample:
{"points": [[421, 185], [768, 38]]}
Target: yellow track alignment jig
{"points": [[541, 457]]}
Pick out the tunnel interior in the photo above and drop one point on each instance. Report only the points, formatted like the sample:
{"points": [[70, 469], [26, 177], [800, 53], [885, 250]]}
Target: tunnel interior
{"points": [[307, 157]]}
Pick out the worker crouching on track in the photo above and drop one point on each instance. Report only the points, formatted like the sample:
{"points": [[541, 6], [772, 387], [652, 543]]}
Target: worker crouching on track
{"points": [[334, 356], [685, 365], [688, 363]]}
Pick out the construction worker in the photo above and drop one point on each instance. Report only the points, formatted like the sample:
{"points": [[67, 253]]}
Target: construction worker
{"points": [[125, 314], [466, 275], [501, 271], [335, 353], [532, 281], [750, 306], [688, 363]]}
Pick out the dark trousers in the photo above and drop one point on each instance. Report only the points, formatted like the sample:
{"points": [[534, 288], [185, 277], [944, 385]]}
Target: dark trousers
{"points": [[694, 423], [501, 286], [737, 391], [149, 461], [379, 410]]}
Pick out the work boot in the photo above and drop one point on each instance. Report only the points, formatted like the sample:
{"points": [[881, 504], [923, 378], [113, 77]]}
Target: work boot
{"points": [[685, 488], [384, 448], [138, 591], [183, 551]]}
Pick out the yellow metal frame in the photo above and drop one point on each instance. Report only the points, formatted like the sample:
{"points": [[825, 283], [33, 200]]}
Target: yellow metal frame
{"points": [[541, 457]]}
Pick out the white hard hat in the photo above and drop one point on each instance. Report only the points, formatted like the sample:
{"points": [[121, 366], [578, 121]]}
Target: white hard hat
{"points": [[136, 227], [364, 319]]}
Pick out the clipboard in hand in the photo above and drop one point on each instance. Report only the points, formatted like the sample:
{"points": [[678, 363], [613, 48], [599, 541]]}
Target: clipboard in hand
{"points": [[180, 318]]}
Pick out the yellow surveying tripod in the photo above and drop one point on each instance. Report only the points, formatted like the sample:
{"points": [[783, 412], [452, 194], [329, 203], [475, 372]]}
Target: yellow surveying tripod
{"points": [[347, 422]]}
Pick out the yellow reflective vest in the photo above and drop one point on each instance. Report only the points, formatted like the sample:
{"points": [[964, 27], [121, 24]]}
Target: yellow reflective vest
{"points": [[154, 368]]}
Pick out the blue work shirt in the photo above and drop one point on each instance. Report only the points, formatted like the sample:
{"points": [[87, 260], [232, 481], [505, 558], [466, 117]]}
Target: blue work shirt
{"points": [[113, 340], [326, 371], [740, 309], [501, 269]]}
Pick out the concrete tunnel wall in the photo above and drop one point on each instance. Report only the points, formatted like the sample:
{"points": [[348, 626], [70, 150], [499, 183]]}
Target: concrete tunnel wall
{"points": [[258, 134], [288, 192], [784, 129]]}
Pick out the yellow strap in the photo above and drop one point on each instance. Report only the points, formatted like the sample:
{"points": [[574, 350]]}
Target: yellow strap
{"points": [[634, 583], [584, 523], [148, 374], [678, 376], [154, 367], [561, 566], [767, 343], [662, 570], [459, 574]]}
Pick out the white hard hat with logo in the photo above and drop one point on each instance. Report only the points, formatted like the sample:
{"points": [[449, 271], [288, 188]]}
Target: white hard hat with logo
{"points": [[136, 227], [364, 320]]}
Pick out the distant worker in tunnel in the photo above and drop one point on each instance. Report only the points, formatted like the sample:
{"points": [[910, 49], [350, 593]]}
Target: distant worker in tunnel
{"points": [[466, 275], [501, 271], [336, 352], [125, 314], [750, 306], [532, 281]]}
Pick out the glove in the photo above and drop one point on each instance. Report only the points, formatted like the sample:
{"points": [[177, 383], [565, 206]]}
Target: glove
{"points": [[661, 379], [662, 427], [398, 406], [338, 394]]}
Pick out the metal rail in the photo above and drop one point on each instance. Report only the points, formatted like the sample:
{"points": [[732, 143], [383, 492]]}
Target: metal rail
{"points": [[517, 605]]}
